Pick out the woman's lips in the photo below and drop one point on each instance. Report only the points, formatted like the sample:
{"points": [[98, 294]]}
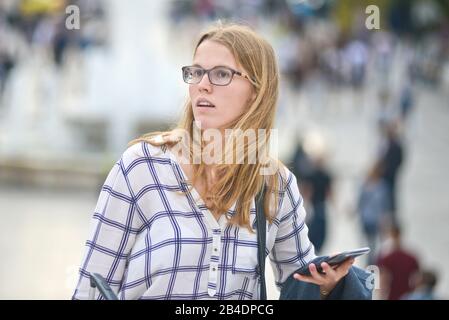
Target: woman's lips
{"points": [[204, 103]]}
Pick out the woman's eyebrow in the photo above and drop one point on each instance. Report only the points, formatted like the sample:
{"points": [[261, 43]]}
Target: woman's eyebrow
{"points": [[220, 65]]}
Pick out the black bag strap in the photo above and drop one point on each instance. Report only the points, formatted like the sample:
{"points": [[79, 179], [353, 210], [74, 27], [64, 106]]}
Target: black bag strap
{"points": [[261, 240], [97, 281]]}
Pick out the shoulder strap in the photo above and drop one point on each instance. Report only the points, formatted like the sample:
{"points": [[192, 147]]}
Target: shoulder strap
{"points": [[261, 239]]}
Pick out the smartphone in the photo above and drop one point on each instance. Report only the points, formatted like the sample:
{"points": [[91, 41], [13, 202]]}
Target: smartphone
{"points": [[333, 261]]}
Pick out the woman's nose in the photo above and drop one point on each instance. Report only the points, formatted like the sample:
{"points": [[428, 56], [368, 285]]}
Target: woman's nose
{"points": [[204, 84]]}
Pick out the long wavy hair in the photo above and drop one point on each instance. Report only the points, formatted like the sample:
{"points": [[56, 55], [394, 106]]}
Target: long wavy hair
{"points": [[239, 182]]}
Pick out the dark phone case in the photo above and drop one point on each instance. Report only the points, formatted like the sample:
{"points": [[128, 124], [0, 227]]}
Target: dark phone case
{"points": [[332, 261], [317, 262]]}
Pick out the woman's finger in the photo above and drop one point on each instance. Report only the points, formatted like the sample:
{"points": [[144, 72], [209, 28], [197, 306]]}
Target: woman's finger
{"points": [[343, 268], [331, 274], [314, 273], [328, 269], [300, 277]]}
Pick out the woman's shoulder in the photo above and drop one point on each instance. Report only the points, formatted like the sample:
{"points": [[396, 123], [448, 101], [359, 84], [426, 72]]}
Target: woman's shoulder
{"points": [[153, 145], [285, 176], [145, 164], [143, 150]]}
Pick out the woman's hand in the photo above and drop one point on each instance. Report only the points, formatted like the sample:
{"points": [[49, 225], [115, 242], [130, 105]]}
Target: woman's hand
{"points": [[329, 280]]}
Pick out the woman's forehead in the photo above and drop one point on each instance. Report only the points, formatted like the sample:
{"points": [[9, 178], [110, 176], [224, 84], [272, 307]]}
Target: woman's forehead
{"points": [[210, 54]]}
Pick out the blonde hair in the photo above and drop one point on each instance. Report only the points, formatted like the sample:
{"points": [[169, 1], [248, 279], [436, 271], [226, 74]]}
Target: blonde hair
{"points": [[239, 182]]}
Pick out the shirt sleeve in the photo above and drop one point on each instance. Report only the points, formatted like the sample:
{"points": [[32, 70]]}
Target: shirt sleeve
{"points": [[114, 226], [292, 248]]}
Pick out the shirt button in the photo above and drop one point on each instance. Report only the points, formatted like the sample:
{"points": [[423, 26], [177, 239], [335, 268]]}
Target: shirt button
{"points": [[215, 249], [213, 269]]}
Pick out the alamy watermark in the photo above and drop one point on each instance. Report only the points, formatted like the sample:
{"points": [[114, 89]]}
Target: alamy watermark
{"points": [[373, 20], [72, 21], [372, 282], [230, 146]]}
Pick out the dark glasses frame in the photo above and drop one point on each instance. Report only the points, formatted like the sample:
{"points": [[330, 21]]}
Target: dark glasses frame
{"points": [[207, 71]]}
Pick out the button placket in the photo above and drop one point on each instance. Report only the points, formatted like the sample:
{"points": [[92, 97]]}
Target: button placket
{"points": [[215, 258]]}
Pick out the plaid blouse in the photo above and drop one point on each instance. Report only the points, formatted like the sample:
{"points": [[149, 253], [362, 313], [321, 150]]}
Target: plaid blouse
{"points": [[153, 238]]}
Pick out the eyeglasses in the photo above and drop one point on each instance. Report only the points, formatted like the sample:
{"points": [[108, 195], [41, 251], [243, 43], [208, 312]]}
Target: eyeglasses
{"points": [[219, 76]]}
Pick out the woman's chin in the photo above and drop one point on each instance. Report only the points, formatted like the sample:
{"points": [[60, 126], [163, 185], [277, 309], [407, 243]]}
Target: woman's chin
{"points": [[207, 124]]}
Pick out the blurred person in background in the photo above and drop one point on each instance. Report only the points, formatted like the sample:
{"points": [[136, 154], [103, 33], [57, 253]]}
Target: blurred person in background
{"points": [[300, 164], [383, 46], [317, 190], [397, 266], [165, 228], [372, 208], [425, 283], [406, 100], [356, 53], [7, 63], [8, 50], [391, 159]]}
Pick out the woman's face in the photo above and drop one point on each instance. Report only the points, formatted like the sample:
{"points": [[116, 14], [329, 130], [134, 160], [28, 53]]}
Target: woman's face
{"points": [[230, 101]]}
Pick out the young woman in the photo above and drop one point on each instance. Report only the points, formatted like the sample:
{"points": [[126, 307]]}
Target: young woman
{"points": [[172, 224]]}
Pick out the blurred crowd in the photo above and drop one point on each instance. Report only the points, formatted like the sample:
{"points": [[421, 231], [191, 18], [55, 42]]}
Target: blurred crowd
{"points": [[331, 38], [30, 27]]}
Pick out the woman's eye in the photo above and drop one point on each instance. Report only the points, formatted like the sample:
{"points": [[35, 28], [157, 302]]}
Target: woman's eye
{"points": [[223, 74]]}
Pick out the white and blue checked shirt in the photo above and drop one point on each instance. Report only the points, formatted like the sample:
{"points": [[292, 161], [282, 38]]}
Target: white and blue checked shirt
{"points": [[152, 238]]}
